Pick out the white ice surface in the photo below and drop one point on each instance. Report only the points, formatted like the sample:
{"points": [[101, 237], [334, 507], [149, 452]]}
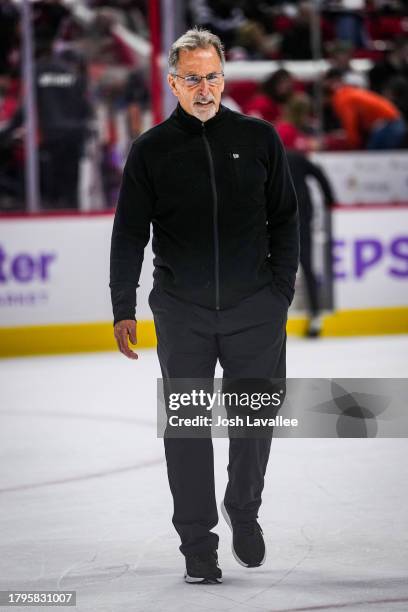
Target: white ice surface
{"points": [[85, 505]]}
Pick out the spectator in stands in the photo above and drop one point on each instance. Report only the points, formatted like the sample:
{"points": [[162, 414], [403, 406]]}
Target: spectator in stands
{"points": [[9, 17], [275, 91], [386, 19], [11, 149], [296, 42], [133, 15], [295, 128], [130, 13], [349, 22], [340, 56], [395, 64], [369, 121], [222, 17], [262, 12], [48, 15], [10, 98], [253, 43]]}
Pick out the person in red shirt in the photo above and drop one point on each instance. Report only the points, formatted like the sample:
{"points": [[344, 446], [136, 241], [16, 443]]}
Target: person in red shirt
{"points": [[295, 127], [275, 91], [369, 120]]}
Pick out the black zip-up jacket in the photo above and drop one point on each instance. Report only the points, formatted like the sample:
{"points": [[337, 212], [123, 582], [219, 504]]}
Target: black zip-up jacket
{"points": [[223, 209]]}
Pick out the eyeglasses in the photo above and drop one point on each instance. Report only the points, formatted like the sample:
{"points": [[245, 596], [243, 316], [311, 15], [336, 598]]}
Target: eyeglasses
{"points": [[192, 80]]}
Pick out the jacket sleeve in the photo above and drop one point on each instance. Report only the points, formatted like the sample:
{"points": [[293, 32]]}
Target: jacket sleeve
{"points": [[283, 219], [131, 233]]}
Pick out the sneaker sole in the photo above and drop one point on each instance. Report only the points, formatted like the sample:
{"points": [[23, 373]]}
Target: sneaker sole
{"points": [[195, 580], [228, 521]]}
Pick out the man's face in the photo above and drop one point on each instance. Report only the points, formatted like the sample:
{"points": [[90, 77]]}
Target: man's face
{"points": [[202, 100]]}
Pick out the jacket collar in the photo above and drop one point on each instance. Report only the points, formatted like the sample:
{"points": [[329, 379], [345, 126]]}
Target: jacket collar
{"points": [[194, 125]]}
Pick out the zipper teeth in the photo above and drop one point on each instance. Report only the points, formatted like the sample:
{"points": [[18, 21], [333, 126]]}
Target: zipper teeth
{"points": [[215, 222]]}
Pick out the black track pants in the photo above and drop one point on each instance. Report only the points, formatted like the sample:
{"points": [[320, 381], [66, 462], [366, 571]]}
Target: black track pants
{"points": [[249, 340]]}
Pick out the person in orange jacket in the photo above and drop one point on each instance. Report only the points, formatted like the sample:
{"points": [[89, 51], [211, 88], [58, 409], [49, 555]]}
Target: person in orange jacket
{"points": [[369, 120]]}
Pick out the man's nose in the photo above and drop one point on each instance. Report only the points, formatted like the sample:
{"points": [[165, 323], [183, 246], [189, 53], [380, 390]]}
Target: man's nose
{"points": [[204, 87]]}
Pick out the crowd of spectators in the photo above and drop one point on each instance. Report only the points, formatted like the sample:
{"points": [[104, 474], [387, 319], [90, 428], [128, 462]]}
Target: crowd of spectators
{"points": [[271, 29], [92, 100], [93, 89]]}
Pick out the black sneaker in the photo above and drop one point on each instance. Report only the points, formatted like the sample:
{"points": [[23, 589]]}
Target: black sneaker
{"points": [[248, 545], [203, 568]]}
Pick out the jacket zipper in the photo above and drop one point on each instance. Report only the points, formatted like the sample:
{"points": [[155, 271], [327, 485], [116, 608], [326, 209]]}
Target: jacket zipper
{"points": [[215, 220]]}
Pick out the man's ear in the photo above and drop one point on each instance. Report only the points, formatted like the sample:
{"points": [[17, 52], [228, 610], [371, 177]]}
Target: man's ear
{"points": [[172, 83]]}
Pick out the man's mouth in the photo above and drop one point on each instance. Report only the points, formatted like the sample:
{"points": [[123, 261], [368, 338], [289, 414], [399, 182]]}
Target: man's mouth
{"points": [[201, 103]]}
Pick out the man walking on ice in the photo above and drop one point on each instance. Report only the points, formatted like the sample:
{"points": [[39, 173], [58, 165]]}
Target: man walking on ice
{"points": [[215, 186]]}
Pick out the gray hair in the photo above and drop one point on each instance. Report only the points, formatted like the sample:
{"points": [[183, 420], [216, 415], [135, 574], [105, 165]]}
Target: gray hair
{"points": [[196, 38]]}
